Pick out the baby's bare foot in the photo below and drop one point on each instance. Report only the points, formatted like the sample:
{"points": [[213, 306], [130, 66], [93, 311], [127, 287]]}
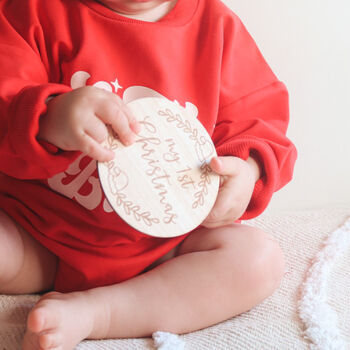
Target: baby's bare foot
{"points": [[60, 321]]}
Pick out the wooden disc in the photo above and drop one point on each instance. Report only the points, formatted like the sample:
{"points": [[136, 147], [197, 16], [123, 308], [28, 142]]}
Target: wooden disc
{"points": [[162, 184]]}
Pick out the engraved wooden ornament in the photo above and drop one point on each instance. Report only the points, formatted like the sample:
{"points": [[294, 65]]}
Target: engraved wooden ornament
{"points": [[162, 184]]}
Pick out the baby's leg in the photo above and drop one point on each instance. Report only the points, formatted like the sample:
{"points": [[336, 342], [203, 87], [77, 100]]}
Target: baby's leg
{"points": [[25, 265], [218, 273]]}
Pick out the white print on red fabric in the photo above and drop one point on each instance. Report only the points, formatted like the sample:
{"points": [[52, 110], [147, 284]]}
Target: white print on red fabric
{"points": [[80, 181]]}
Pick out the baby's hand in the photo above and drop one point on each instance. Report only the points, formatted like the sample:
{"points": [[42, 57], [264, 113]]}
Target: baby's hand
{"points": [[237, 183], [77, 121]]}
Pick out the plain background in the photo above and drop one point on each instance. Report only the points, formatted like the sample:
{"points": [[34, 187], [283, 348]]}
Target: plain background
{"points": [[307, 44]]}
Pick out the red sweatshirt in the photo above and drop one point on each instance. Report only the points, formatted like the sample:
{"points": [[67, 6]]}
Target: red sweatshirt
{"points": [[199, 55]]}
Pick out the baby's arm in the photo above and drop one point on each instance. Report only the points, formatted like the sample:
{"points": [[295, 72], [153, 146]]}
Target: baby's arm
{"points": [[73, 120], [251, 124], [24, 89]]}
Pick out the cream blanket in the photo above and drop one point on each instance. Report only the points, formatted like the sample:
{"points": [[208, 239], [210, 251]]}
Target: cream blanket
{"points": [[274, 324]]}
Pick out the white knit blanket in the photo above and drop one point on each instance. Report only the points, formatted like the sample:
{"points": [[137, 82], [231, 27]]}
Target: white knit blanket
{"points": [[308, 311]]}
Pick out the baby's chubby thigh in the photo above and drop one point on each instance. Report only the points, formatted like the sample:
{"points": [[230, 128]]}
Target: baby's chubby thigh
{"points": [[25, 265], [246, 260]]}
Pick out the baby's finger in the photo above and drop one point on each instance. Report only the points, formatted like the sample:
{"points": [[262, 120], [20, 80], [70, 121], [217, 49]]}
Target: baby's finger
{"points": [[213, 224], [96, 129], [133, 122], [125, 124], [223, 209], [93, 149], [229, 166], [120, 125], [213, 220], [111, 111]]}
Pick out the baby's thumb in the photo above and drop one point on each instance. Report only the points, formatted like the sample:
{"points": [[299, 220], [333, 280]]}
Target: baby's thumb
{"points": [[225, 166]]}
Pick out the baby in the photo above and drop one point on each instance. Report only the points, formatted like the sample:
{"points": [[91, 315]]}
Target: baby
{"points": [[67, 70]]}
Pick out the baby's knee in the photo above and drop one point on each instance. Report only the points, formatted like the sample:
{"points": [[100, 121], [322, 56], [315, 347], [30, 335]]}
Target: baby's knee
{"points": [[266, 263], [262, 259]]}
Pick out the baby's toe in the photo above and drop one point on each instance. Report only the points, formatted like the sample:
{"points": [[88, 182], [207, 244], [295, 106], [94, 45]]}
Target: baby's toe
{"points": [[50, 340], [36, 320], [30, 341], [43, 318]]}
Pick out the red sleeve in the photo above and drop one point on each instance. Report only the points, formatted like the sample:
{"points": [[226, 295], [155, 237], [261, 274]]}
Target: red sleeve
{"points": [[24, 89], [253, 116]]}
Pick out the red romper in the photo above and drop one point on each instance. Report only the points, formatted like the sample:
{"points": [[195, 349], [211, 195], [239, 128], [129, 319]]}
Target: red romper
{"points": [[199, 54]]}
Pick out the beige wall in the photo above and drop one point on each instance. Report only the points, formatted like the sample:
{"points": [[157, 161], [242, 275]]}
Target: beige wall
{"points": [[307, 44]]}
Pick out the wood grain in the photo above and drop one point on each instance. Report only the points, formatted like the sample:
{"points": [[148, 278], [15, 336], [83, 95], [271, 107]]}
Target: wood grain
{"points": [[162, 184]]}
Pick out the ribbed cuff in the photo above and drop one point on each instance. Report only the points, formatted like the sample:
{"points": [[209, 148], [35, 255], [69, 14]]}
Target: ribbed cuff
{"points": [[42, 160]]}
